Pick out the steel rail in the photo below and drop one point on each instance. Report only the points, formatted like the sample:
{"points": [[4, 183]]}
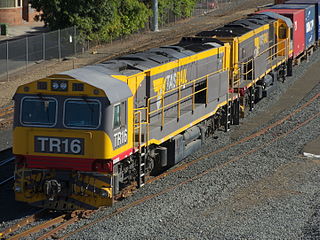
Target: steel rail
{"points": [[34, 217], [75, 216], [64, 220], [4, 162], [7, 180], [38, 228], [7, 108]]}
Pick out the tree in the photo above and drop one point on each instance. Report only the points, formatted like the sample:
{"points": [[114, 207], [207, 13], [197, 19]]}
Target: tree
{"points": [[96, 19], [181, 8]]}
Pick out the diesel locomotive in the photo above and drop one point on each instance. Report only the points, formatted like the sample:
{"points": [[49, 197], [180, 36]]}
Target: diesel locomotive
{"points": [[84, 135]]}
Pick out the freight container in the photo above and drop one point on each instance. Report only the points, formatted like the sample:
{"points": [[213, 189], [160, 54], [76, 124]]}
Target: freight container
{"points": [[310, 20], [297, 16], [316, 3]]}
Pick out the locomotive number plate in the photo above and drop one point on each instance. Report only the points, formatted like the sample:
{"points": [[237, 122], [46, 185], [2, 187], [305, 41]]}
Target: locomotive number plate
{"points": [[59, 145]]}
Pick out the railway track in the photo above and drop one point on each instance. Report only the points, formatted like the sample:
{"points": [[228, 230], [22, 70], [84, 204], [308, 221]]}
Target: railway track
{"points": [[6, 110], [7, 153], [234, 159], [6, 115], [6, 158], [41, 229]]}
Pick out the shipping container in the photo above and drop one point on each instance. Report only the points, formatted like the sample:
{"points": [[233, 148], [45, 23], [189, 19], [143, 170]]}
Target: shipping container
{"points": [[310, 14], [297, 16], [316, 3]]}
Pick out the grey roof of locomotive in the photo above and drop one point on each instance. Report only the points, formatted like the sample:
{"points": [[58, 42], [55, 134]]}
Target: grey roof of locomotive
{"points": [[243, 26], [100, 75], [278, 16]]}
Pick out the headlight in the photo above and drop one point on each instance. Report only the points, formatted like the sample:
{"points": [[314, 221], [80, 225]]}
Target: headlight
{"points": [[63, 86], [104, 193], [55, 86], [17, 189], [59, 85]]}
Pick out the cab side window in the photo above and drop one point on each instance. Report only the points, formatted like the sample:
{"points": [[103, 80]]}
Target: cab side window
{"points": [[116, 116], [282, 32], [119, 115]]}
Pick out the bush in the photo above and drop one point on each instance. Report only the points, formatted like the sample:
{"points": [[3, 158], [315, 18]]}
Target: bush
{"points": [[96, 19], [180, 8]]}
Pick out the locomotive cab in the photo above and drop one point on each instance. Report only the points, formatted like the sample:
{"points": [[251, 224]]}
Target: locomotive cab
{"points": [[66, 134]]}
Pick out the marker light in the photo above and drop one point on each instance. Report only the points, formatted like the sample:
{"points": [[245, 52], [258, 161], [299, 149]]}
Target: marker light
{"points": [[17, 189]]}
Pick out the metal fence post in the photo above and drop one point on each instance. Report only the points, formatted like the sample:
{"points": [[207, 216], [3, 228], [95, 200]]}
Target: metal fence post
{"points": [[155, 10], [75, 39], [8, 61], [59, 43], [44, 46], [27, 54]]}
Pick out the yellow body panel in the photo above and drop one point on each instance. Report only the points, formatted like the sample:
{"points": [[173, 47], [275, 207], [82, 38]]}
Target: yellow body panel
{"points": [[97, 143]]}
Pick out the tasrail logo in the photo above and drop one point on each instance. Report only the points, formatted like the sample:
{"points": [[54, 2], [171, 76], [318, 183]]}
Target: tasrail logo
{"points": [[169, 82]]}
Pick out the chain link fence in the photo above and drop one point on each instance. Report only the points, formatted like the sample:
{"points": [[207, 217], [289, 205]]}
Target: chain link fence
{"points": [[21, 53], [216, 7]]}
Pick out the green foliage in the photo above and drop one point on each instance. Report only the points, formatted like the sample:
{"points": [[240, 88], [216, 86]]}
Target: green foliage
{"points": [[97, 19], [103, 20], [180, 8]]}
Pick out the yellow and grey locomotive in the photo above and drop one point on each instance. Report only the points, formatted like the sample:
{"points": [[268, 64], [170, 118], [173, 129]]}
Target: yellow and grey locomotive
{"points": [[82, 136]]}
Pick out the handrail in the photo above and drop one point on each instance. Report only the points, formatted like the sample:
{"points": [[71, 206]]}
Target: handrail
{"points": [[188, 83], [137, 126], [180, 100], [284, 50], [148, 112]]}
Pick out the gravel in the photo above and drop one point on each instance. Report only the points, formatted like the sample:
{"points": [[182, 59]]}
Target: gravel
{"points": [[5, 138], [271, 193]]}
